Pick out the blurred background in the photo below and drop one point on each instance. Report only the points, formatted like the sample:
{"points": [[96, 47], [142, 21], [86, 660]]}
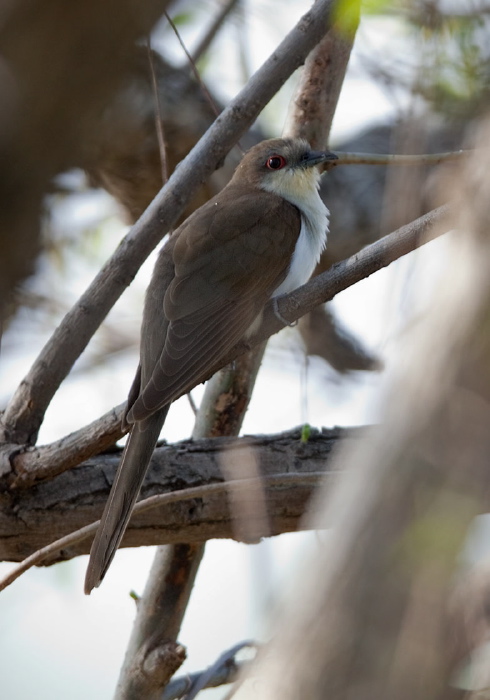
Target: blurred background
{"points": [[417, 78]]}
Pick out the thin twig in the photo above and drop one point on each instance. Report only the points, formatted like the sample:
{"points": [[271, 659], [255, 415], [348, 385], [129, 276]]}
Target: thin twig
{"points": [[192, 403], [192, 63], [395, 159], [159, 500], [158, 115]]}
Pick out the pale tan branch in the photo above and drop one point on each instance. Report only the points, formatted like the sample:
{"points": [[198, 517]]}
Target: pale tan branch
{"points": [[395, 159], [32, 518], [165, 499]]}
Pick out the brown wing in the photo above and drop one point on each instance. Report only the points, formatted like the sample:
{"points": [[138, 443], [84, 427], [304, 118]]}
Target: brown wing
{"points": [[229, 257]]}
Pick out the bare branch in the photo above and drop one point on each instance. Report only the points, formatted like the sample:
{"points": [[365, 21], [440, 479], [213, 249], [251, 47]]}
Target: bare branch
{"points": [[47, 461], [395, 159], [158, 115], [228, 673], [312, 109], [200, 492], [158, 620], [192, 64], [32, 519], [25, 411]]}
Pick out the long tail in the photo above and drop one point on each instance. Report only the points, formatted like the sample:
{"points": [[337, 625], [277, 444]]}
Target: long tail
{"points": [[124, 492]]}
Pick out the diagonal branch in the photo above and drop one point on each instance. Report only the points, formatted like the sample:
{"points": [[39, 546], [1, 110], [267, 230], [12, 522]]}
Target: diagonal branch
{"points": [[26, 410], [344, 274]]}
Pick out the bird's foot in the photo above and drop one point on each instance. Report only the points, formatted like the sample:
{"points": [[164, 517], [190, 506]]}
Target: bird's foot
{"points": [[277, 314]]}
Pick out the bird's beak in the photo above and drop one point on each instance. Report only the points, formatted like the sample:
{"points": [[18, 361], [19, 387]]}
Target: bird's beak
{"points": [[315, 157]]}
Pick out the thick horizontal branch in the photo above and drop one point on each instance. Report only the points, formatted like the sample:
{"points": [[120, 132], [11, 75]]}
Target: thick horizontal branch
{"points": [[31, 519], [26, 410], [46, 461]]}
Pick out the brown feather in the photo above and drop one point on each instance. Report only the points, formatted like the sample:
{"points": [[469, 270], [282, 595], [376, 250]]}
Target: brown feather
{"points": [[211, 281], [210, 305]]}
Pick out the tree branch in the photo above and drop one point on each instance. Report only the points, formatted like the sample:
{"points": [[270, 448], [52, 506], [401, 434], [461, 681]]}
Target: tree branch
{"points": [[159, 615], [33, 518], [59, 547], [25, 411], [44, 462], [344, 274], [395, 159], [312, 109]]}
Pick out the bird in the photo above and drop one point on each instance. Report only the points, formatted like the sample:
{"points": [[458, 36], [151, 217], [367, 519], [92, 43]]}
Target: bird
{"points": [[259, 238]]}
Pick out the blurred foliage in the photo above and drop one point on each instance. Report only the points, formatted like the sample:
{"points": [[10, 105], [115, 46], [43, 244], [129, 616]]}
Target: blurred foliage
{"points": [[449, 45], [346, 16], [455, 78], [373, 7]]}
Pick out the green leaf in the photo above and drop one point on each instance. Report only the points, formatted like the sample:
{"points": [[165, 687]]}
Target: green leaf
{"points": [[305, 432]]}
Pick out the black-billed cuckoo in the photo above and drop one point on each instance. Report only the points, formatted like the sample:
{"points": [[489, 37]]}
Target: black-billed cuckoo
{"points": [[260, 237]]}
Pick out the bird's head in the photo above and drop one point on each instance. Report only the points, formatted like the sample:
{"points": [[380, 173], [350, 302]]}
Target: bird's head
{"points": [[282, 166]]}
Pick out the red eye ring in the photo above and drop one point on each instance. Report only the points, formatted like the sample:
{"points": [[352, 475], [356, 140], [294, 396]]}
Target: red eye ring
{"points": [[275, 162]]}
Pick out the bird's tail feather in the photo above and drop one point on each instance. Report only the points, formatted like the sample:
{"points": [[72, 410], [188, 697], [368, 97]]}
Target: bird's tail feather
{"points": [[124, 492]]}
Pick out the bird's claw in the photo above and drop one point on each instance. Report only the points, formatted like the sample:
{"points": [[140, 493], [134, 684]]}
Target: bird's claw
{"points": [[281, 318]]}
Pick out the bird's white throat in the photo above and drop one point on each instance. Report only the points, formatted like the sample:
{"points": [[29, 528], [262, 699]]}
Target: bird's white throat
{"points": [[300, 187]]}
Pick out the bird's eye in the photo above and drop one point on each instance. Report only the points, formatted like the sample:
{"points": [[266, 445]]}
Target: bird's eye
{"points": [[275, 162]]}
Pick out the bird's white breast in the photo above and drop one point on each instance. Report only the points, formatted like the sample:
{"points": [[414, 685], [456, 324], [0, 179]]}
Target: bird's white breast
{"points": [[313, 234]]}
